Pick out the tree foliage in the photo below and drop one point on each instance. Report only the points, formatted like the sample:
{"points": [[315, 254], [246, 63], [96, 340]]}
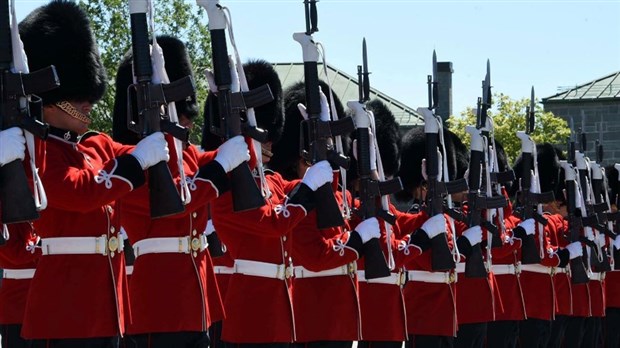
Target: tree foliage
{"points": [[509, 117], [110, 24]]}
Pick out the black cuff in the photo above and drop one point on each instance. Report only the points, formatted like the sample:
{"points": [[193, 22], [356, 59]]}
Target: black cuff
{"points": [[564, 256], [214, 172], [519, 232], [465, 247], [129, 168], [355, 242], [420, 239], [302, 195]]}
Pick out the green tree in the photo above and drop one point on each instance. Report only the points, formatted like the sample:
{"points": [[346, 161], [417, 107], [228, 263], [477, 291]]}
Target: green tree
{"points": [[180, 18], [509, 117]]}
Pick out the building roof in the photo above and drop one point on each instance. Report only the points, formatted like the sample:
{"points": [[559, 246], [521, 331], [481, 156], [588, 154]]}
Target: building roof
{"points": [[346, 88], [604, 88]]}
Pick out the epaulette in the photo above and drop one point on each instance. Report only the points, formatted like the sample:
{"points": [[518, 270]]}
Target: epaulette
{"points": [[87, 135]]}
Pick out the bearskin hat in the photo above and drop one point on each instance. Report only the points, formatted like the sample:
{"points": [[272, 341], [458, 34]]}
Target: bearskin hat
{"points": [[286, 150], [59, 34], [209, 140], [178, 65], [549, 170], [414, 150], [612, 181]]}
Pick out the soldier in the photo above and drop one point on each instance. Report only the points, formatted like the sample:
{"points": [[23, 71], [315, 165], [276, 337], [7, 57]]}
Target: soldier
{"points": [[260, 242], [537, 280], [612, 278], [78, 295], [175, 311]]}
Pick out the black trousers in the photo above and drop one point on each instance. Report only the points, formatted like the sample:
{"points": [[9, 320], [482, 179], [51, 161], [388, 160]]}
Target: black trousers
{"points": [[471, 335], [573, 338], [102, 342], [257, 345], [612, 328], [424, 341], [11, 337], [324, 344], [503, 334], [558, 330], [379, 344], [169, 340], [593, 332], [215, 335], [534, 333]]}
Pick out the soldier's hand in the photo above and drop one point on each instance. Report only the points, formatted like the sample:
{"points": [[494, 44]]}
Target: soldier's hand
{"points": [[575, 249], [234, 78], [151, 150], [232, 153], [325, 113], [473, 235], [318, 175], [12, 145], [368, 229], [529, 226], [434, 226]]}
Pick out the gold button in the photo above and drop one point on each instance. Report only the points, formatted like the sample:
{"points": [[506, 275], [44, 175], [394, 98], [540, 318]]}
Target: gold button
{"points": [[113, 244], [194, 232], [112, 229], [284, 238], [285, 254], [109, 207], [194, 215]]}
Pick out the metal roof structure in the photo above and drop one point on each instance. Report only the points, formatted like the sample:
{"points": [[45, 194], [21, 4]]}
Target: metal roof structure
{"points": [[604, 88], [346, 88]]}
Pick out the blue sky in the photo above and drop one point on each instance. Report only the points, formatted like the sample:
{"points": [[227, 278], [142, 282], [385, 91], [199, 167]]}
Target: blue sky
{"points": [[546, 44]]}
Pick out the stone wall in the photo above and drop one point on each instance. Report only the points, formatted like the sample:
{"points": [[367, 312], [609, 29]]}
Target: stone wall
{"points": [[600, 119]]}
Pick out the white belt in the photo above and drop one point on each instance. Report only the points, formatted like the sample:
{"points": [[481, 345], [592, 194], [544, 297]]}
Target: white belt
{"points": [[81, 245], [129, 270], [18, 273], [506, 269], [223, 270], [558, 270], [181, 245], [432, 277], [263, 269], [536, 268], [347, 269], [392, 279], [600, 276]]}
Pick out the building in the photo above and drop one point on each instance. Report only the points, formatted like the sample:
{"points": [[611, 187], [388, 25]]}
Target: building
{"points": [[595, 108]]}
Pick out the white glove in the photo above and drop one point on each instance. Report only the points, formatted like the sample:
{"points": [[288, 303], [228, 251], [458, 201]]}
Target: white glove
{"points": [[434, 226], [151, 150], [575, 249], [439, 162], [232, 153], [373, 151], [529, 226], [12, 145], [209, 229], [234, 78], [318, 175], [473, 235], [617, 243], [368, 229], [599, 239], [325, 114]]}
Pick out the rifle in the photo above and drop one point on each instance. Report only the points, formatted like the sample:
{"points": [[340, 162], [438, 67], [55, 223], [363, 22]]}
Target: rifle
{"points": [[579, 274], [232, 105], [532, 201], [370, 189], [20, 107], [150, 99], [601, 199], [318, 133], [441, 256]]}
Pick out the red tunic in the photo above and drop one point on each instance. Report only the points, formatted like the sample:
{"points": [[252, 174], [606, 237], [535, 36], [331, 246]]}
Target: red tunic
{"points": [[81, 296], [180, 302], [422, 298], [321, 302], [612, 288], [259, 309], [558, 227], [15, 256]]}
